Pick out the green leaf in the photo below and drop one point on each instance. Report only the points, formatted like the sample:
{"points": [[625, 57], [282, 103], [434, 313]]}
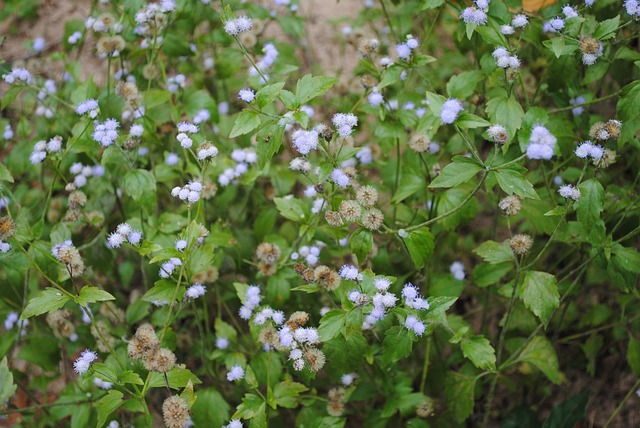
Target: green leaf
{"points": [[411, 182], [5, 174], [420, 244], [633, 355], [627, 258], [247, 121], [607, 28], [163, 291], [390, 76], [310, 87], [435, 102], [459, 171], [569, 413], [290, 208], [285, 394], [559, 210], [512, 181], [250, 407], [540, 353], [479, 350], [91, 295], [7, 387], [140, 184], [505, 111], [210, 409], [591, 203], [488, 274], [459, 390], [131, 377], [539, 292], [48, 301], [10, 95], [268, 142], [361, 242], [493, 252], [178, 377], [463, 84], [331, 324], [471, 121], [397, 344], [108, 404], [266, 95]]}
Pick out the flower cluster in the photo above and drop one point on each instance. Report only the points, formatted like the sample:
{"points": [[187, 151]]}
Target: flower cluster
{"points": [[196, 290], [305, 141], [405, 49], [185, 128], [591, 49], [541, 143], [266, 314], [106, 133], [476, 14], [243, 158], [345, 122], [412, 297], [235, 373], [588, 149], [19, 74], [82, 364], [302, 342], [233, 27], [567, 191], [382, 301], [633, 8], [311, 253], [339, 177], [83, 172], [413, 323], [169, 266], [457, 270], [207, 151], [450, 110], [41, 148], [350, 272], [269, 58], [251, 301], [247, 95], [504, 59], [553, 25], [89, 107], [175, 83], [190, 192], [66, 253], [124, 232]]}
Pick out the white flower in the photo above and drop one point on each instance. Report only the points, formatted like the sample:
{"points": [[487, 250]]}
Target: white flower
{"points": [[235, 373], [569, 192], [195, 291], [81, 365], [247, 95], [450, 110]]}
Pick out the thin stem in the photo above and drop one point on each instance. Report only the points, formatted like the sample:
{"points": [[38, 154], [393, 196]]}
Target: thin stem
{"points": [[473, 150], [624, 400], [588, 103], [425, 367]]}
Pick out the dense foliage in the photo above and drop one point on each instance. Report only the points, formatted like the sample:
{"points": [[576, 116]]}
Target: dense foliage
{"points": [[223, 233]]}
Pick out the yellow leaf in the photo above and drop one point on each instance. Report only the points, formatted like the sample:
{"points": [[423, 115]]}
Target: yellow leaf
{"points": [[536, 5]]}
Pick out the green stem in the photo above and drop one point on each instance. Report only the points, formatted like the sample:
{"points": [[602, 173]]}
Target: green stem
{"points": [[624, 400]]}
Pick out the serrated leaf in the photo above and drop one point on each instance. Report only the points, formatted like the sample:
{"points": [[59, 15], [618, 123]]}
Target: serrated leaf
{"points": [[420, 244], [247, 121], [471, 121], [108, 404], [268, 142], [290, 208], [286, 393], [507, 112], [559, 210], [633, 355], [140, 184], [162, 291], [48, 301], [459, 390], [397, 344], [569, 413], [10, 95], [5, 174], [361, 242], [7, 387], [210, 409], [331, 324], [539, 292], [512, 181], [479, 350], [494, 252], [591, 202], [90, 294], [627, 258], [540, 353], [459, 171], [607, 28], [411, 182], [461, 86], [267, 94], [310, 87]]}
